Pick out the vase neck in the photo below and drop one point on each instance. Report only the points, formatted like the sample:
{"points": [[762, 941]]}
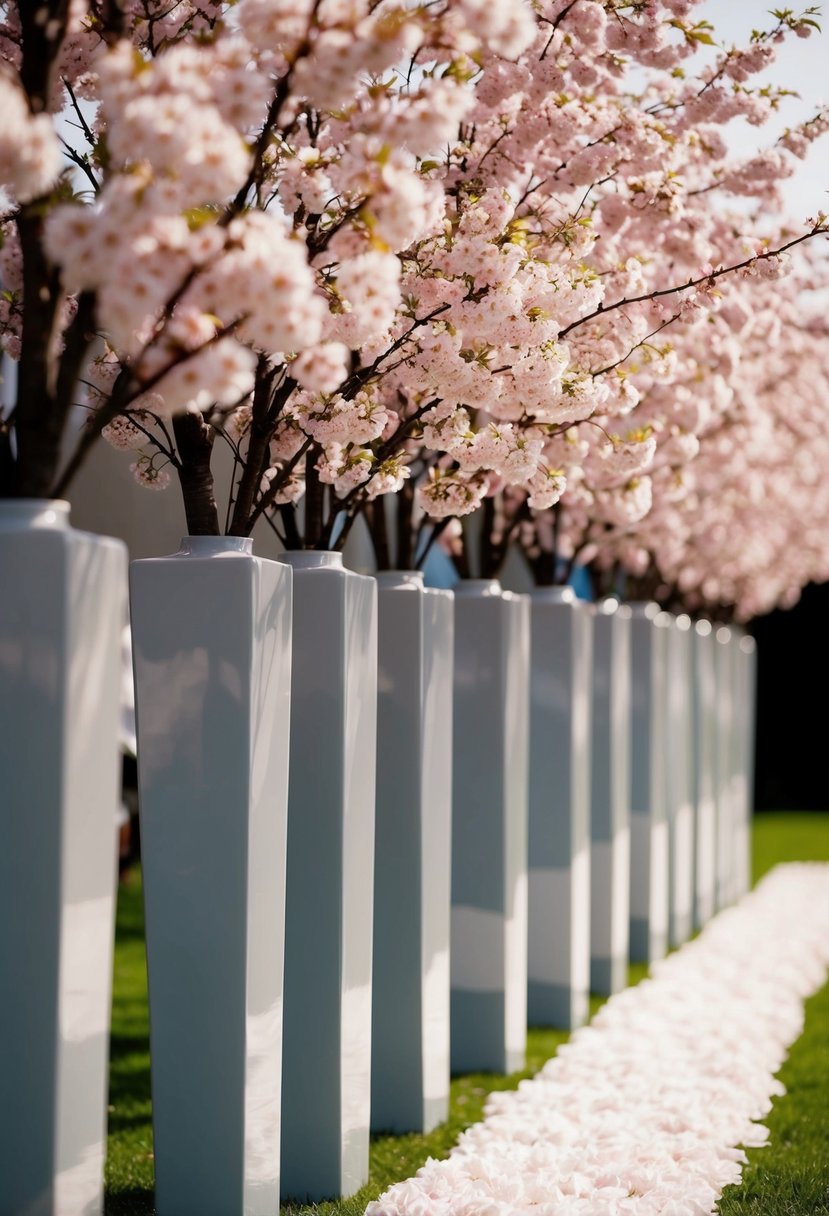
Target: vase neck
{"points": [[312, 559], [21, 514], [390, 579], [478, 588], [207, 546], [647, 609], [553, 595]]}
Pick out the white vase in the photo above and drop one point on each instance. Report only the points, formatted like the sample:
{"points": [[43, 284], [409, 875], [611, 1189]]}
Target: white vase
{"points": [[724, 764], [648, 824], [610, 799], [211, 650], [746, 678], [412, 866], [679, 790], [489, 829], [326, 1088], [62, 610], [704, 775], [559, 832]]}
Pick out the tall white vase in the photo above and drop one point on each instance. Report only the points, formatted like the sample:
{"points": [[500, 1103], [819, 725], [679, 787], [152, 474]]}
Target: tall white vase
{"points": [[489, 829], [326, 1087], [649, 827], [62, 610], [704, 773], [610, 799], [746, 655], [211, 649], [412, 869], [724, 764], [559, 836], [679, 790]]}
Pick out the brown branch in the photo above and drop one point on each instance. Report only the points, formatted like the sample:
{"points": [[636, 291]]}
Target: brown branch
{"points": [[124, 392], [43, 26], [437, 531], [258, 449], [379, 531], [403, 526], [38, 422], [268, 499], [314, 502]]}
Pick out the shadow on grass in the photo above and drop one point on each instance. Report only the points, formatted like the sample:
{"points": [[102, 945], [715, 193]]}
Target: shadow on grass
{"points": [[135, 1202]]}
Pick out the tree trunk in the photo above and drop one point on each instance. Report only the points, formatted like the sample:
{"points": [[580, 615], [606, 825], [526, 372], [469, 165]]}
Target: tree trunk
{"points": [[38, 423], [404, 506], [194, 439], [378, 528], [314, 493]]}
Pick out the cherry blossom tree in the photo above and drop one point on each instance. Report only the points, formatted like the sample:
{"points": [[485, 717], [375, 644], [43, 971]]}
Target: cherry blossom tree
{"points": [[747, 524], [456, 255], [240, 193]]}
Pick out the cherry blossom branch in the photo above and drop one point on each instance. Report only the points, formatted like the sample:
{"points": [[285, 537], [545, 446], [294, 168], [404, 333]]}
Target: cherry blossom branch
{"points": [[84, 125], [437, 531], [554, 23], [268, 499], [125, 391], [710, 278], [259, 437], [611, 367], [256, 172]]}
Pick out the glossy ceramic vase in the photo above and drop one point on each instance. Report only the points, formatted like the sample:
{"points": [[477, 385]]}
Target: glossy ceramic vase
{"points": [[326, 1088], [746, 679], [559, 832], [725, 760], [704, 772], [610, 799], [489, 829], [62, 610], [212, 655], [412, 865], [648, 822], [679, 788]]}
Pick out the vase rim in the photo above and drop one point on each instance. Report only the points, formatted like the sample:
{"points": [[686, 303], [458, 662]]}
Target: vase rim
{"points": [[478, 587], [554, 595], [399, 578], [649, 609], [608, 605], [200, 546], [312, 559], [34, 512]]}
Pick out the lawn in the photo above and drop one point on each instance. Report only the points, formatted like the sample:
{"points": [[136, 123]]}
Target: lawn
{"points": [[790, 1177]]}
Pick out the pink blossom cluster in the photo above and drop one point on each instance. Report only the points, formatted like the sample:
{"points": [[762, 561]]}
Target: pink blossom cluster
{"points": [[648, 1110], [741, 509]]}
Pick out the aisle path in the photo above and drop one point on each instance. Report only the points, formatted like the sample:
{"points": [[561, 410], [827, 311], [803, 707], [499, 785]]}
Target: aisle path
{"points": [[644, 1112]]}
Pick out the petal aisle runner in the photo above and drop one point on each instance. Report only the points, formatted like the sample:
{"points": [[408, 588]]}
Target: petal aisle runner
{"points": [[645, 1110]]}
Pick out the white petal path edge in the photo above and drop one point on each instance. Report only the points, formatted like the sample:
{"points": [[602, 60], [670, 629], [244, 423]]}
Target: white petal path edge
{"points": [[647, 1110]]}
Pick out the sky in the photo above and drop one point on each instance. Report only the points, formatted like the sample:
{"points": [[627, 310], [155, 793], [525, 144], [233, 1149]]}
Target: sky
{"points": [[802, 65]]}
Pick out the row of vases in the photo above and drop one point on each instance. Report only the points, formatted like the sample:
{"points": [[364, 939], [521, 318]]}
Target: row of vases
{"points": [[269, 704]]}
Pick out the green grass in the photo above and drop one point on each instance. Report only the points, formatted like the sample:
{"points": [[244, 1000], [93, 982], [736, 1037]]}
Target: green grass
{"points": [[788, 1178], [790, 1175]]}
